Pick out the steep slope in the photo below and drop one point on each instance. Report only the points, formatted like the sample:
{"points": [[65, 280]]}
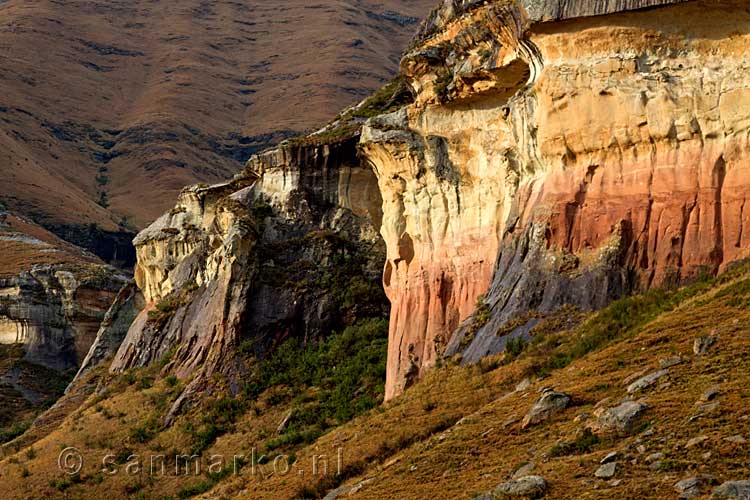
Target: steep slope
{"points": [[546, 163], [534, 162], [288, 250], [53, 297], [457, 432], [110, 108]]}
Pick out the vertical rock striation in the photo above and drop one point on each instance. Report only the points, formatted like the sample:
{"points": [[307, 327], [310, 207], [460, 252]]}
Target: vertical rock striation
{"points": [[288, 249], [54, 311], [557, 152]]}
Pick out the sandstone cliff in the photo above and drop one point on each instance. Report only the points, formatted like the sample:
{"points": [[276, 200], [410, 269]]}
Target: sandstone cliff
{"points": [[535, 154], [557, 155], [288, 249]]}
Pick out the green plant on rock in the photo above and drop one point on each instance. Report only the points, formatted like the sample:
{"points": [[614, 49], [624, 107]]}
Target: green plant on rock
{"points": [[341, 378]]}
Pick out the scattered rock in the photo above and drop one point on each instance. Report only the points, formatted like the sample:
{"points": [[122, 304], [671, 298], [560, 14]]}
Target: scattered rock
{"points": [[670, 362], [606, 471], [524, 470], [736, 439], [523, 385], [615, 482], [654, 457], [484, 496], [610, 457], [284, 422], [732, 490], [641, 449], [708, 408], [620, 418], [549, 404], [635, 376], [693, 487], [656, 465], [709, 394], [529, 486], [647, 381], [696, 441], [701, 345]]}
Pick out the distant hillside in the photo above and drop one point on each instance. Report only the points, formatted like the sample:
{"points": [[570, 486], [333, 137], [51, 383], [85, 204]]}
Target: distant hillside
{"points": [[110, 108]]}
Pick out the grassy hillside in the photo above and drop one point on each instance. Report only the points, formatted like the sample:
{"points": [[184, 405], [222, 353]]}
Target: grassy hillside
{"points": [[455, 434]]}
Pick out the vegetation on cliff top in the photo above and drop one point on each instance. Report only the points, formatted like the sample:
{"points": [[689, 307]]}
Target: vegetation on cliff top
{"points": [[348, 124]]}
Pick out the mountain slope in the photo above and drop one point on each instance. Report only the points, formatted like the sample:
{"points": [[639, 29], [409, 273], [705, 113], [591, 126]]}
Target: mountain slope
{"points": [[123, 103], [454, 434]]}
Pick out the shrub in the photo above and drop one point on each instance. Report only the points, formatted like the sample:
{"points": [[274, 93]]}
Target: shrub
{"points": [[514, 347], [584, 443], [145, 383], [347, 372], [7, 435], [195, 489], [146, 431]]}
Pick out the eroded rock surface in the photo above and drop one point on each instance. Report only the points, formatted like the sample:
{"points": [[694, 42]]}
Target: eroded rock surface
{"points": [[525, 487], [546, 162], [54, 311], [287, 249]]}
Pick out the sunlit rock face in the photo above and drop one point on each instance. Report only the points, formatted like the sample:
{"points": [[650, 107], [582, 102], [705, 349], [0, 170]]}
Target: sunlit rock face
{"points": [[238, 268], [557, 152]]}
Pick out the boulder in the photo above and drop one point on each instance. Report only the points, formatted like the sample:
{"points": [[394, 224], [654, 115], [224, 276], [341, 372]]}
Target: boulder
{"points": [[647, 381], [696, 441], [484, 496], [611, 457], [524, 470], [620, 419], [549, 404], [732, 490], [529, 487], [606, 471], [709, 394], [693, 487], [670, 362]]}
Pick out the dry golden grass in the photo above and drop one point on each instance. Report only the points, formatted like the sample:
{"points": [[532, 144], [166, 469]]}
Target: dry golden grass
{"points": [[456, 433]]}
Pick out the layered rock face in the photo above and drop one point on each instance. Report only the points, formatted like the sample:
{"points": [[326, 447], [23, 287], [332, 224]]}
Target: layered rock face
{"points": [[557, 155], [288, 249], [54, 311]]}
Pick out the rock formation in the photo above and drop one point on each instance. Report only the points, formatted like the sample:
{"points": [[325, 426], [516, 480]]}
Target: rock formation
{"points": [[534, 154], [54, 311], [557, 152], [288, 249]]}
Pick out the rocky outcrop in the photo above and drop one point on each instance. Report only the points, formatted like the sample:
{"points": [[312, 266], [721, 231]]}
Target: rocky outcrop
{"points": [[550, 404], [287, 249], [113, 328], [54, 311], [546, 162]]}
